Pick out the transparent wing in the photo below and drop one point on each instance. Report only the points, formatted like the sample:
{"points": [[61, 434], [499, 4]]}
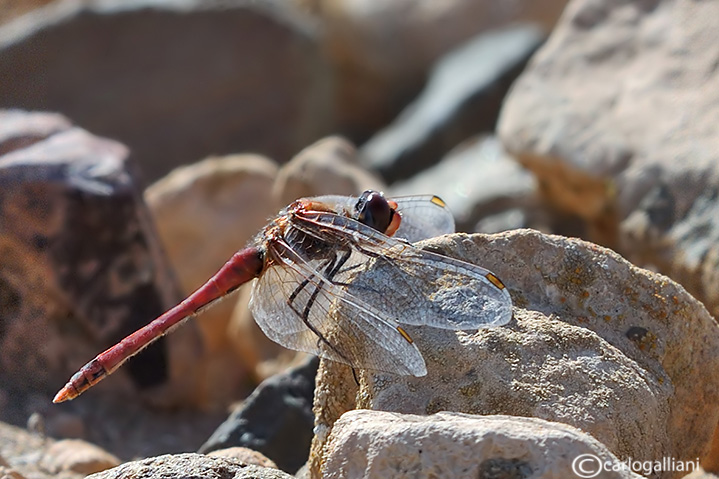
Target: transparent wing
{"points": [[423, 217], [297, 306], [409, 285]]}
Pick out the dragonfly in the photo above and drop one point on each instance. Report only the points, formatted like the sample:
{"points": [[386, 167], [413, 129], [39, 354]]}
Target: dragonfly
{"points": [[339, 277]]}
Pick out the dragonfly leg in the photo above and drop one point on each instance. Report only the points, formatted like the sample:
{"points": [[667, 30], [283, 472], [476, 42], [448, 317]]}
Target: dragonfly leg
{"points": [[330, 269]]}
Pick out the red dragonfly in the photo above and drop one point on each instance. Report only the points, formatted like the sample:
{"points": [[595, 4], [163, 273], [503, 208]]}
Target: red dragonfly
{"points": [[336, 277]]}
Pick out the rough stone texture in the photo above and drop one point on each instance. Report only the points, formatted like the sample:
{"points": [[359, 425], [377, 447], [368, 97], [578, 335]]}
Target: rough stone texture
{"points": [[204, 213], [476, 179], [619, 352], [380, 444], [77, 456], [190, 466], [617, 116], [81, 266], [275, 420], [174, 80], [462, 97], [244, 455], [382, 51]]}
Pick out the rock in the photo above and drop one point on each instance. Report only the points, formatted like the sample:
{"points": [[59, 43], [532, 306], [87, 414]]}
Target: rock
{"points": [[190, 466], [19, 129], [634, 155], [275, 420], [381, 444], [381, 52], [82, 266], [77, 456], [204, 213], [21, 453], [303, 472], [263, 88], [700, 474], [16, 9], [462, 97], [36, 424], [327, 167], [244, 455], [476, 179], [596, 343]]}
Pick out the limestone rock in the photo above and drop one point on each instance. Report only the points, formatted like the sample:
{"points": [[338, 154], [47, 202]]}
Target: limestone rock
{"points": [[617, 117], [190, 466], [381, 444], [204, 213], [198, 78], [596, 343], [77, 456], [81, 266], [462, 97]]}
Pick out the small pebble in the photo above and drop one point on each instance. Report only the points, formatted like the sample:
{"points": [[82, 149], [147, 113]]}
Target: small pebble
{"points": [[77, 456]]}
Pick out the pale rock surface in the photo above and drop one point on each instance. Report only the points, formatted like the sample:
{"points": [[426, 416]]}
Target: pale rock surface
{"points": [[190, 466], [618, 117], [476, 179], [381, 51], [462, 97], [375, 444], [204, 213], [701, 474], [329, 166], [78, 456], [597, 343], [9, 473], [22, 455]]}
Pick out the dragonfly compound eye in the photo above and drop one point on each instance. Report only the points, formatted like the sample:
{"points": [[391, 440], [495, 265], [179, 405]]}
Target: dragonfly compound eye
{"points": [[374, 210]]}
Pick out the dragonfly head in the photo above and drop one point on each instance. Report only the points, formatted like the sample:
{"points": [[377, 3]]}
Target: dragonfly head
{"points": [[376, 211]]}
